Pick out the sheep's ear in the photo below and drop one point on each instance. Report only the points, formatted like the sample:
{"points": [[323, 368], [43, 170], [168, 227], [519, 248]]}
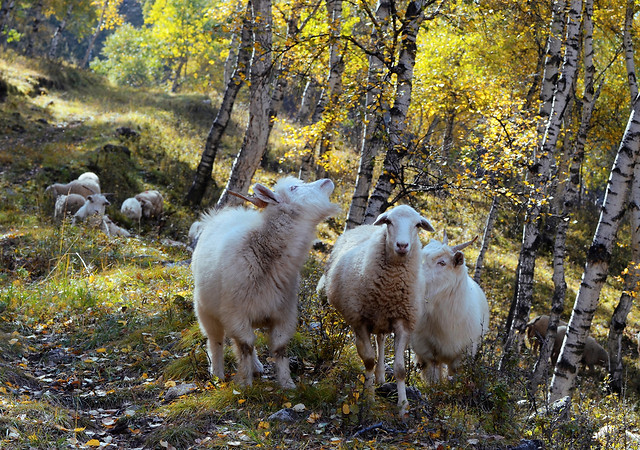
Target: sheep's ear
{"points": [[265, 194], [426, 225], [458, 259], [382, 219], [90, 198]]}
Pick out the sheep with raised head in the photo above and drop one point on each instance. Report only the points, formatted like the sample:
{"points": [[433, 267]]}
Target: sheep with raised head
{"points": [[246, 269], [456, 312], [94, 205], [536, 330], [132, 209], [373, 279], [592, 355], [73, 187], [151, 202], [90, 180], [67, 204]]}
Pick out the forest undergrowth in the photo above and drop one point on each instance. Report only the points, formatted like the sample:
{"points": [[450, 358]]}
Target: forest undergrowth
{"points": [[100, 347]]}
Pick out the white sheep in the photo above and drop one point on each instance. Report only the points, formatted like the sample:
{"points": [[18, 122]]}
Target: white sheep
{"points": [[456, 313], [94, 205], [592, 354], [151, 202], [373, 279], [132, 209], [90, 180], [73, 187], [67, 204], [111, 229], [246, 271]]}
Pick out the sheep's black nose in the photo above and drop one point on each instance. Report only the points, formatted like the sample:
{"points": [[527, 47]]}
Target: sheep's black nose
{"points": [[402, 247]]}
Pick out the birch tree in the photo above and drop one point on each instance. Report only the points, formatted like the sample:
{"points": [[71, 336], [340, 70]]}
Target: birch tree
{"points": [[260, 107], [598, 258], [632, 272], [486, 238], [55, 40], [540, 179], [202, 177], [375, 106]]}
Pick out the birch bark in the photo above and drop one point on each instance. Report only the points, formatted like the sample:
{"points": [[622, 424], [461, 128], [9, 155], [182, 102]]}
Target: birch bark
{"points": [[202, 177], [598, 258], [486, 238], [260, 107], [94, 36], [55, 40], [540, 180], [375, 106]]}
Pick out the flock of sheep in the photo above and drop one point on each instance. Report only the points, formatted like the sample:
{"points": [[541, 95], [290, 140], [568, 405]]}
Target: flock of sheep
{"points": [[246, 267], [82, 199]]}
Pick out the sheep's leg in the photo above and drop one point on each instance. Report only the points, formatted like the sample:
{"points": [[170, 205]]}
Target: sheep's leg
{"points": [[279, 338], [258, 368], [380, 368], [368, 355], [214, 331], [244, 351], [401, 341]]}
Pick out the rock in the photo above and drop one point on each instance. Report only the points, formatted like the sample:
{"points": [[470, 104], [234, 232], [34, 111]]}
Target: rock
{"points": [[284, 415], [561, 409], [179, 390], [528, 444], [391, 389]]}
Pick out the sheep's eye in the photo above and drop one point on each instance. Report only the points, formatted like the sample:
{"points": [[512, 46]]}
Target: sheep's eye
{"points": [[441, 263], [293, 188]]}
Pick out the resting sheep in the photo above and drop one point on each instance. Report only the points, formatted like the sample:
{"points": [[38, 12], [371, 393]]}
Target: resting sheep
{"points": [[536, 330], [94, 205], [592, 354], [373, 279], [73, 187], [151, 203], [132, 209], [456, 313], [67, 204], [111, 229], [90, 180], [246, 269]]}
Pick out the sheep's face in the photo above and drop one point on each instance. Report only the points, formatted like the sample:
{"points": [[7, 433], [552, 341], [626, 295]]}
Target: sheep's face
{"points": [[403, 224], [310, 199], [441, 265], [97, 203]]}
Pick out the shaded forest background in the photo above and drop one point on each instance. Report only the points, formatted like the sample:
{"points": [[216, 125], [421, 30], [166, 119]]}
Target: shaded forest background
{"points": [[130, 90]]}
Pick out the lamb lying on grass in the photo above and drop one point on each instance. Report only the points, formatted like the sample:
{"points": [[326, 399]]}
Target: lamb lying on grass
{"points": [[456, 314], [246, 269], [373, 279]]}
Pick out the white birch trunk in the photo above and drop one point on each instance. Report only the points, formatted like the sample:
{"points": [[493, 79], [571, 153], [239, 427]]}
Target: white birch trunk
{"points": [[375, 105], [619, 317], [397, 151], [94, 36], [627, 40], [55, 40], [598, 258], [539, 180], [260, 109], [486, 238]]}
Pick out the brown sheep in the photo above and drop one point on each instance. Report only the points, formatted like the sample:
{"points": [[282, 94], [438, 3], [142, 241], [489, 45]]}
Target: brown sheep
{"points": [[593, 352], [536, 330]]}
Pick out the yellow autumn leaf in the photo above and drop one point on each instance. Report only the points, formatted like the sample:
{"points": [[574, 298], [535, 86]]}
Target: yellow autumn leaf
{"points": [[170, 383], [264, 425], [241, 401], [93, 443], [101, 350], [345, 409], [79, 429], [3, 390]]}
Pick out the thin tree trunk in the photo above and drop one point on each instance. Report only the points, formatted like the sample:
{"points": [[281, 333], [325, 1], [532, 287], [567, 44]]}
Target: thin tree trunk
{"points": [[260, 108], [540, 178], [569, 198], [486, 238], [231, 62], [598, 258], [398, 150], [55, 40], [94, 36], [619, 317], [35, 27], [375, 107], [627, 40], [202, 177]]}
